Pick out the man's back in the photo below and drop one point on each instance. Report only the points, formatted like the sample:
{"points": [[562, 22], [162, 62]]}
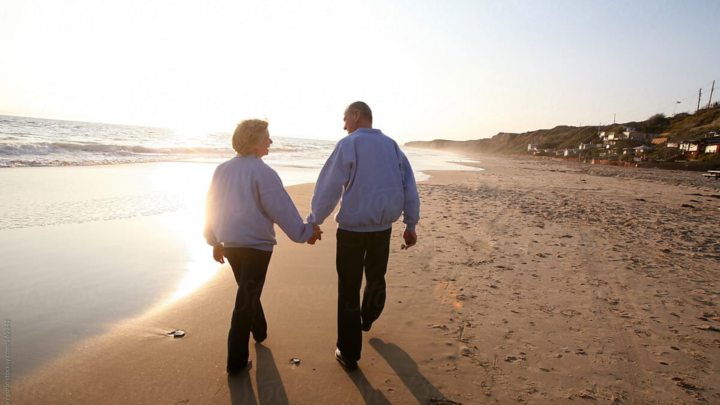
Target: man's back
{"points": [[373, 176]]}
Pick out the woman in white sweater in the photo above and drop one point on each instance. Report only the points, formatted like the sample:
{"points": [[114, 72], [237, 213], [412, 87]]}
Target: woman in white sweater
{"points": [[246, 198]]}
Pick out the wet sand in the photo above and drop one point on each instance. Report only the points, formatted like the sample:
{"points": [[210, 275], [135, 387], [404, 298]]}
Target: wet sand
{"points": [[533, 282]]}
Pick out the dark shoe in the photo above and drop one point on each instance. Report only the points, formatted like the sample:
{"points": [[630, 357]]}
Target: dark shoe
{"points": [[366, 326], [349, 365], [235, 370]]}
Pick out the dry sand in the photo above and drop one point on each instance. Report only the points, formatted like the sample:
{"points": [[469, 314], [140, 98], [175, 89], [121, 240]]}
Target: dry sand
{"points": [[533, 282]]}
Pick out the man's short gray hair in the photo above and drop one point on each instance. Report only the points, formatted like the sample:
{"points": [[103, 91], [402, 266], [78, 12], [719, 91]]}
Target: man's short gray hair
{"points": [[364, 109]]}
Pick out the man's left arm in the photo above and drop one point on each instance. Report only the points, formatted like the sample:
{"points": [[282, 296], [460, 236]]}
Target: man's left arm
{"points": [[411, 202]]}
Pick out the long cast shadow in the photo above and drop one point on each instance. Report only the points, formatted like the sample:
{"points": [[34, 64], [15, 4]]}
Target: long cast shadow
{"points": [[408, 371], [370, 395], [241, 389], [271, 390]]}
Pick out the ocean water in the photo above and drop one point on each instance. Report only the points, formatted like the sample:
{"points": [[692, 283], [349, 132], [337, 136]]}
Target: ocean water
{"points": [[100, 223], [38, 142], [35, 142]]}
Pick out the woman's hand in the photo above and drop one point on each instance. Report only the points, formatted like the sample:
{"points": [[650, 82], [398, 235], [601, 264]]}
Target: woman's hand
{"points": [[219, 253], [316, 236]]}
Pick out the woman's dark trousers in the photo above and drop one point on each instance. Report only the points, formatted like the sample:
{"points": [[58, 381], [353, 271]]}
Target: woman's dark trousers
{"points": [[250, 268], [358, 251]]}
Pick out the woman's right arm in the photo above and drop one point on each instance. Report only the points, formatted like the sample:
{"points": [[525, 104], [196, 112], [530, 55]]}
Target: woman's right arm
{"points": [[278, 205]]}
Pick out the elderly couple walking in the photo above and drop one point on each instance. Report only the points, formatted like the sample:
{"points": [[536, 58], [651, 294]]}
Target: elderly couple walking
{"points": [[371, 177]]}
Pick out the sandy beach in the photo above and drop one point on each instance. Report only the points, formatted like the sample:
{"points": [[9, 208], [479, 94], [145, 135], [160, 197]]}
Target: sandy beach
{"points": [[533, 282]]}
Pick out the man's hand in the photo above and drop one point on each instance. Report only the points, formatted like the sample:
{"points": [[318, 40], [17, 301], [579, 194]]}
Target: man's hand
{"points": [[410, 239], [316, 236], [219, 253]]}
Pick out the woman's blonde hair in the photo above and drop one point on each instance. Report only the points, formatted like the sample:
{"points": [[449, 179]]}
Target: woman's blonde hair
{"points": [[248, 134]]}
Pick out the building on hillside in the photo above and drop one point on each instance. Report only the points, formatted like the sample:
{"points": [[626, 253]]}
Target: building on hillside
{"points": [[691, 148], [633, 135], [586, 146], [610, 139], [638, 136], [533, 147], [659, 141]]}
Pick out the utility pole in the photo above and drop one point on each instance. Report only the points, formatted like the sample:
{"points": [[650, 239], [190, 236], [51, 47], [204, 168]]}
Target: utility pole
{"points": [[613, 118], [711, 92], [699, 96]]}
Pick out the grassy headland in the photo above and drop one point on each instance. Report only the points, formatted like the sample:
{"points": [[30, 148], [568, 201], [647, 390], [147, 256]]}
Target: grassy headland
{"points": [[681, 126]]}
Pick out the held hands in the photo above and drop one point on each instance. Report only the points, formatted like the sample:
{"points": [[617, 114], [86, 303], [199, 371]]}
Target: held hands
{"points": [[316, 236], [410, 239], [218, 253]]}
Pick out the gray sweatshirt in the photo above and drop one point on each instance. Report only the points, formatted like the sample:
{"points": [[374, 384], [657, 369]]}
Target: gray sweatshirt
{"points": [[245, 199], [373, 177]]}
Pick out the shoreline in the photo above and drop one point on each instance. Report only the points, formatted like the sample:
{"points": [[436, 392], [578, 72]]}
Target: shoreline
{"points": [[110, 269], [151, 327]]}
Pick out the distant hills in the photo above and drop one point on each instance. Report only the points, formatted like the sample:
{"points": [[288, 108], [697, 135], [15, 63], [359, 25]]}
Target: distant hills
{"points": [[681, 126]]}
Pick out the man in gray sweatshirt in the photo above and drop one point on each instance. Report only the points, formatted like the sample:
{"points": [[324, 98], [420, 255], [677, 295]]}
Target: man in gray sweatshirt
{"points": [[373, 179]]}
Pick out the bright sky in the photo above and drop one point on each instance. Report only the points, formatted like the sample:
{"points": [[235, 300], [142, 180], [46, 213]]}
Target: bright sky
{"points": [[428, 69]]}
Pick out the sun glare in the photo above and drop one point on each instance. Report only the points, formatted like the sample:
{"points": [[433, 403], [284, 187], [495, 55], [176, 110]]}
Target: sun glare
{"points": [[188, 183]]}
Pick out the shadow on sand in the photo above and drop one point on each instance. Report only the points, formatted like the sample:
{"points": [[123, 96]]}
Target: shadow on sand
{"points": [[271, 390], [370, 395], [409, 373]]}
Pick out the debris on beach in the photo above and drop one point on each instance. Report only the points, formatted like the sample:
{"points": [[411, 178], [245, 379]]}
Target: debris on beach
{"points": [[443, 401], [584, 394], [295, 361], [709, 328], [686, 385], [176, 333]]}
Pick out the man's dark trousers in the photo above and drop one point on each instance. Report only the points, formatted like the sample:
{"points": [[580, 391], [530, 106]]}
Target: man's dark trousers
{"points": [[358, 251], [250, 268]]}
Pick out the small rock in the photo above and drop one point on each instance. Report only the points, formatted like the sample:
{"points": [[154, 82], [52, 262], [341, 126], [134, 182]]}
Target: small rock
{"points": [[177, 333]]}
